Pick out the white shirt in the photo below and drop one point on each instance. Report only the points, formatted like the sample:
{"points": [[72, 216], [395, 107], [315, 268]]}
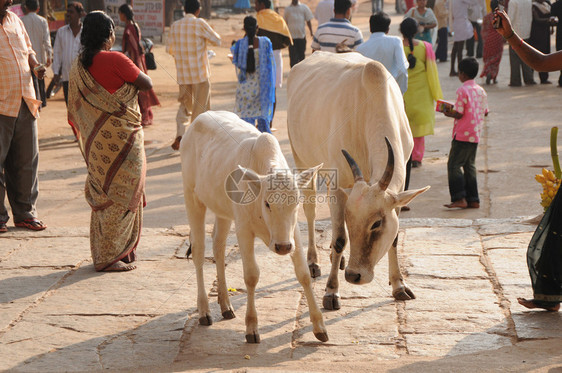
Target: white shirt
{"points": [[67, 48], [324, 11], [520, 13], [38, 30], [389, 51], [296, 17]]}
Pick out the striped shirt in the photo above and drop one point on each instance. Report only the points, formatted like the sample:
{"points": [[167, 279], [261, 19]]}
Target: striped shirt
{"points": [[331, 33], [187, 43], [38, 31], [67, 48], [15, 78]]}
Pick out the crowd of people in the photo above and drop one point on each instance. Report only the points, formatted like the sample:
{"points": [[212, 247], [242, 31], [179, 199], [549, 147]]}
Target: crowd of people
{"points": [[109, 95]]}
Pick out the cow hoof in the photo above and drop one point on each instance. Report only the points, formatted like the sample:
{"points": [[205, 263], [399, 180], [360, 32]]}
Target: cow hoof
{"points": [[322, 337], [228, 314], [253, 338], [331, 302], [403, 293], [314, 270], [342, 263], [206, 320]]}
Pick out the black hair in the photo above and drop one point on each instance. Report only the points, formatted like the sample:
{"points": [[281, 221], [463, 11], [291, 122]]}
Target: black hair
{"points": [[250, 26], [408, 28], [469, 66], [494, 4], [266, 3], [78, 7], [191, 6], [127, 10], [379, 22], [341, 6], [32, 5], [96, 30]]}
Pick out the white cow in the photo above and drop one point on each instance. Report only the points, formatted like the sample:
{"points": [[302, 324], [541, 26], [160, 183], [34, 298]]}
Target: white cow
{"points": [[241, 174], [349, 102]]}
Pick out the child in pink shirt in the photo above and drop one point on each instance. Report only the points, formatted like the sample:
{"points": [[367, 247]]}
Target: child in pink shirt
{"points": [[469, 112]]}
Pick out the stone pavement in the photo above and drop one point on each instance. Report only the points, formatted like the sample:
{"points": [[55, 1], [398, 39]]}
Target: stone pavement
{"points": [[58, 314]]}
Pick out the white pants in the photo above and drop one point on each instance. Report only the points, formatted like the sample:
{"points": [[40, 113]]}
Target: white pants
{"points": [[278, 68]]}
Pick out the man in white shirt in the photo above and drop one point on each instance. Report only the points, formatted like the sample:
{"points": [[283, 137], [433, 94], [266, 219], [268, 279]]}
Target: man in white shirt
{"points": [[67, 45], [521, 14], [298, 15], [324, 11], [38, 30], [476, 13], [338, 32], [388, 50]]}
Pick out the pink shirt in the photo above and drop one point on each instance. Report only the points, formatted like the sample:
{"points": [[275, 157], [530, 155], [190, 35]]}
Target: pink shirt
{"points": [[472, 102]]}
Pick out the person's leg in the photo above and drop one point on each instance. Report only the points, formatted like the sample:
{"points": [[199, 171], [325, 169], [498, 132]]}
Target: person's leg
{"points": [[20, 167], [65, 91], [185, 98], [470, 174], [263, 126], [480, 45], [441, 52], [457, 159], [515, 66], [7, 125], [42, 93], [456, 53], [419, 149], [470, 44], [301, 49], [293, 58], [528, 72], [201, 98]]}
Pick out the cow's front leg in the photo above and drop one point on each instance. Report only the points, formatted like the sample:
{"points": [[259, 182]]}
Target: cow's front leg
{"points": [[331, 300], [400, 291], [251, 277], [220, 233], [309, 206], [196, 218], [301, 271]]}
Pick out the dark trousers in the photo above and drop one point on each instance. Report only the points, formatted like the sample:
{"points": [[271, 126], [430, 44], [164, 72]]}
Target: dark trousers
{"points": [[462, 184], [39, 85], [19, 157], [296, 51], [470, 42], [517, 66], [441, 51], [65, 91], [456, 55]]}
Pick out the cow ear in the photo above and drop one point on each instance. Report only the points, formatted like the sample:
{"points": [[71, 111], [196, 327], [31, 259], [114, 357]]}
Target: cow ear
{"points": [[305, 178], [407, 196]]}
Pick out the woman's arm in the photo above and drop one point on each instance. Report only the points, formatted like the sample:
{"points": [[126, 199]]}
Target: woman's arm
{"points": [[529, 55], [143, 82]]}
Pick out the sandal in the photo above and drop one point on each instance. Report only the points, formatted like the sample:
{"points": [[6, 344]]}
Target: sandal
{"points": [[3, 227], [33, 224]]}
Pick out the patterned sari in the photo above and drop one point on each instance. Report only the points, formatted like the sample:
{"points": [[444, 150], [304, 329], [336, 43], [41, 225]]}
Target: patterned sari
{"points": [[111, 139], [493, 48]]}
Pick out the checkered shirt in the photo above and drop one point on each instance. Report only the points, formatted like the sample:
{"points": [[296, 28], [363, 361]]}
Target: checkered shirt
{"points": [[15, 78], [187, 42]]}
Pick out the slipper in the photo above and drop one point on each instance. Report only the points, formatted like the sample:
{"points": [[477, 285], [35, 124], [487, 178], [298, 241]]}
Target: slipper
{"points": [[33, 224], [3, 227]]}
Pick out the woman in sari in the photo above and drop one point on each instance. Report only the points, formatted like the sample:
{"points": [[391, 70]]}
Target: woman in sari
{"points": [[255, 68], [103, 109], [132, 48], [427, 22], [493, 47], [423, 88]]}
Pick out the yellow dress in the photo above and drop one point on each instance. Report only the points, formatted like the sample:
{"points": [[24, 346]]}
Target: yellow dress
{"points": [[423, 90]]}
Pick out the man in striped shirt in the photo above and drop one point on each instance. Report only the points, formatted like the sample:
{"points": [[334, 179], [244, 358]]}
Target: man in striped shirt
{"points": [[67, 45], [187, 43], [338, 30], [18, 124]]}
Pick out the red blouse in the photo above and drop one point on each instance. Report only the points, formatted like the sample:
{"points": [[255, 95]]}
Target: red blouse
{"points": [[112, 70]]}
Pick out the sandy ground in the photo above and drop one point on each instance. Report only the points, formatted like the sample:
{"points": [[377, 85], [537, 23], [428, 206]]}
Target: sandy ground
{"points": [[514, 148]]}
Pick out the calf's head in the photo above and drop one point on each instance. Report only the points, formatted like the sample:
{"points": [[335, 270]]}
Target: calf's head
{"points": [[277, 204], [370, 213]]}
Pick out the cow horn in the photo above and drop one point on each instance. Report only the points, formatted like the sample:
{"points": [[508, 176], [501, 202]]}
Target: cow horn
{"points": [[357, 175], [387, 176]]}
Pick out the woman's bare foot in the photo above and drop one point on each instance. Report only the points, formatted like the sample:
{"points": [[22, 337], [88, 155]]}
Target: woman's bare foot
{"points": [[120, 267], [460, 204], [530, 303]]}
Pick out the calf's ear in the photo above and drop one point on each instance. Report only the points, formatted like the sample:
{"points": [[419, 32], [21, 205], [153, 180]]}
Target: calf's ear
{"points": [[407, 196], [305, 178]]}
